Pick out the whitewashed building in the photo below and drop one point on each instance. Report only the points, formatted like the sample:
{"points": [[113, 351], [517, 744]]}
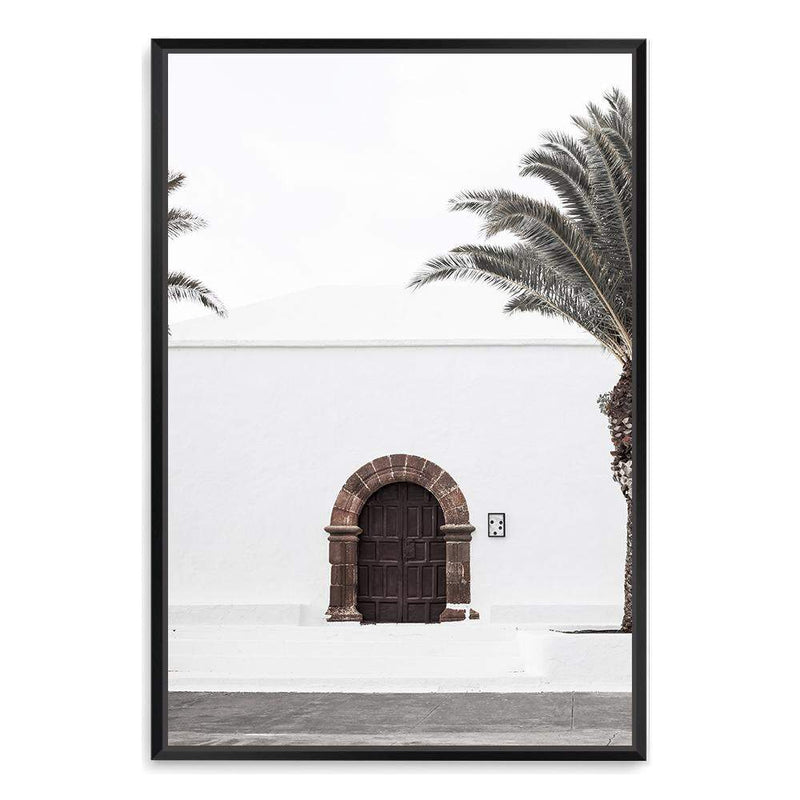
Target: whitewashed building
{"points": [[350, 476]]}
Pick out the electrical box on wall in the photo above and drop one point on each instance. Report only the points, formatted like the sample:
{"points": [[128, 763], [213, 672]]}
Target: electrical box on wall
{"points": [[497, 525]]}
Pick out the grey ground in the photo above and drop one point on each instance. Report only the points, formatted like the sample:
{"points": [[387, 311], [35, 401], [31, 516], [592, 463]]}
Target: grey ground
{"points": [[486, 718]]}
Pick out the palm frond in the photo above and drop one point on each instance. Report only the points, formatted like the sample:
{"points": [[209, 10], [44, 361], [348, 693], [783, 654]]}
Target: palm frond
{"points": [[622, 114], [553, 237], [563, 143], [574, 261], [612, 181], [182, 287], [570, 181], [517, 272], [174, 180], [179, 221]]}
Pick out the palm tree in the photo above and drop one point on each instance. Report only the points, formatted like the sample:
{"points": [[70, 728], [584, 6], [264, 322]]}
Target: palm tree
{"points": [[574, 261], [181, 286]]}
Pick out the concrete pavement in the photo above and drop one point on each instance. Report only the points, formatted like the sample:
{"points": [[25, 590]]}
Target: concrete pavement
{"points": [[336, 718]]}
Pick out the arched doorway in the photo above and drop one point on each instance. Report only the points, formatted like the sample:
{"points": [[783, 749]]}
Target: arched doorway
{"points": [[401, 556], [344, 532]]}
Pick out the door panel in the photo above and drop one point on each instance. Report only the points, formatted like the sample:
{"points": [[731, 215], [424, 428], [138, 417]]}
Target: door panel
{"points": [[401, 556]]}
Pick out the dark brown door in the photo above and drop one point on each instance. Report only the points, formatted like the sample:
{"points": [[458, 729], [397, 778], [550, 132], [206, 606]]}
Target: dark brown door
{"points": [[401, 556]]}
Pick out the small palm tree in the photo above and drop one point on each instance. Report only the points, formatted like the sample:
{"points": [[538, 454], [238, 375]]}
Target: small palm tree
{"points": [[574, 262], [181, 286]]}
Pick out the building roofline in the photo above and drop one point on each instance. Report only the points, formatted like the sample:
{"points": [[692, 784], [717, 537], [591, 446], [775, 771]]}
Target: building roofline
{"points": [[388, 343]]}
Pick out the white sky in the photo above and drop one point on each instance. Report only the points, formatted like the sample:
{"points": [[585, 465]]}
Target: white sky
{"points": [[336, 169]]}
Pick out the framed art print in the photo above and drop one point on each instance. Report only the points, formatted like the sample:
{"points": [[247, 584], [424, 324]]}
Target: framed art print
{"points": [[398, 399]]}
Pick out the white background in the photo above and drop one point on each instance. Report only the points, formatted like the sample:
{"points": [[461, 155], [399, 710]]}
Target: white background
{"points": [[337, 168], [723, 435]]}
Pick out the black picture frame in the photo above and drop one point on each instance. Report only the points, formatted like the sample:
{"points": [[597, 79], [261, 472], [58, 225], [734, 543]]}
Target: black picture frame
{"points": [[160, 749]]}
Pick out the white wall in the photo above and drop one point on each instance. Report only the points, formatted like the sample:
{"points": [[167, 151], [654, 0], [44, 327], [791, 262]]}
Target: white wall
{"points": [[262, 438]]}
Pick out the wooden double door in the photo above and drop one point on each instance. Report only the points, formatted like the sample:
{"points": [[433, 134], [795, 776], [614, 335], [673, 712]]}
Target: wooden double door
{"points": [[401, 556]]}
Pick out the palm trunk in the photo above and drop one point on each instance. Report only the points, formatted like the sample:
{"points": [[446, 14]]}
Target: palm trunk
{"points": [[619, 408]]}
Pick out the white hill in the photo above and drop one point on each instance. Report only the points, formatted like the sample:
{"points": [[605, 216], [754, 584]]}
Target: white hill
{"points": [[459, 312]]}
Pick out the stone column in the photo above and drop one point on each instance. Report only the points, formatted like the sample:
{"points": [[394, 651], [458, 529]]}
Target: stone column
{"points": [[457, 539], [343, 557]]}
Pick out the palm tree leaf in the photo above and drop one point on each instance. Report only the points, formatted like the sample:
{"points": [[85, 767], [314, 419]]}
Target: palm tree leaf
{"points": [[182, 287], [621, 116], [563, 143], [552, 235], [570, 181], [575, 260], [611, 178], [620, 144], [517, 271], [174, 180], [179, 221]]}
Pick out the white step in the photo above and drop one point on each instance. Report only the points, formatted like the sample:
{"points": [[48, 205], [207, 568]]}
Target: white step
{"points": [[198, 682], [342, 649], [396, 658], [325, 666], [338, 631]]}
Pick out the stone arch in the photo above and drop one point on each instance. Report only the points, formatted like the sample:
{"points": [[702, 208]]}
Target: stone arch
{"points": [[343, 532], [395, 469]]}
